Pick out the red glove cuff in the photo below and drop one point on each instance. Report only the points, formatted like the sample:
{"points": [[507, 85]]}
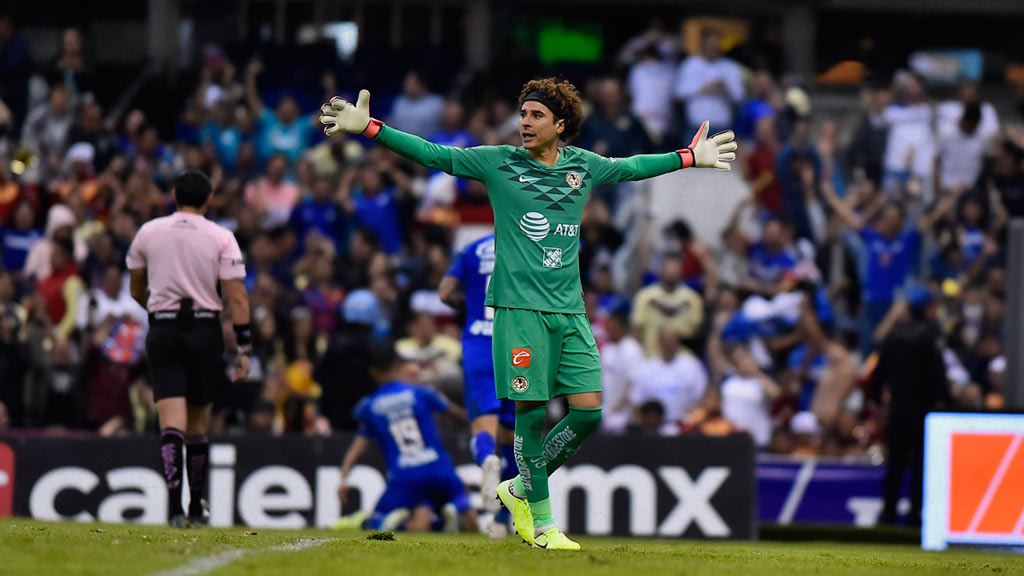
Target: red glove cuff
{"points": [[685, 157], [373, 128]]}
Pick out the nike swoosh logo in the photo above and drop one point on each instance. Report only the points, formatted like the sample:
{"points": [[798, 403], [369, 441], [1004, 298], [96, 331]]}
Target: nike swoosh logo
{"points": [[525, 179]]}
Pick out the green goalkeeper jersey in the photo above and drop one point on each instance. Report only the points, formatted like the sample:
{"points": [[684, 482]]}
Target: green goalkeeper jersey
{"points": [[537, 211]]}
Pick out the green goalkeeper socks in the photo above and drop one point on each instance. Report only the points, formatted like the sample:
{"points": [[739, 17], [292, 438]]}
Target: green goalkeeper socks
{"points": [[533, 475], [564, 439]]}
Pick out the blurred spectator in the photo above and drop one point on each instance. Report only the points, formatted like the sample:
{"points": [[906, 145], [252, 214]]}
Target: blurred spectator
{"points": [[747, 395], [91, 129], [910, 147], [274, 195], [45, 132], [15, 67], [343, 372], [61, 290], [950, 114], [762, 167], [710, 84], [611, 129], [438, 356], [319, 213], [669, 304], [374, 205], [674, 377], [281, 131], [109, 301], [71, 67], [620, 356], [760, 107], [223, 133], [416, 110], [650, 91], [20, 237], [891, 247], [912, 375], [867, 149], [961, 151]]}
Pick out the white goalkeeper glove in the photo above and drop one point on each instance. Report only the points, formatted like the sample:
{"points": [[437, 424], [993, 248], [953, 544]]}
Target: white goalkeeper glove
{"points": [[717, 151], [339, 114]]}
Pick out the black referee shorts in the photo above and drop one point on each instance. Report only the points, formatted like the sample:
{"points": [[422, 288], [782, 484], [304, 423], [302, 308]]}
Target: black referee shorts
{"points": [[186, 361]]}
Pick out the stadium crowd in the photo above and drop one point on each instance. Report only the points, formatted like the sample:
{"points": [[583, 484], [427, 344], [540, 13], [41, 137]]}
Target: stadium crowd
{"points": [[773, 329]]}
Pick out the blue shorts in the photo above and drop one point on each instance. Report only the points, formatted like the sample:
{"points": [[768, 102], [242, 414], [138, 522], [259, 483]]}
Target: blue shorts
{"points": [[482, 399], [434, 490]]}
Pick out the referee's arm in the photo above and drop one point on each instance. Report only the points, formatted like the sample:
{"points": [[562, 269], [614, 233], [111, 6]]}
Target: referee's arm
{"points": [[238, 307], [138, 285]]}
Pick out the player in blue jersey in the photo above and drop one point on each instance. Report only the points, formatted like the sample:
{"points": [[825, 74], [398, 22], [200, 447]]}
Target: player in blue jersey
{"points": [[421, 476], [464, 287]]}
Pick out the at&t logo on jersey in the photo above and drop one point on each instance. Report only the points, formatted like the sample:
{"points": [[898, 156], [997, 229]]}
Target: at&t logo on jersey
{"points": [[521, 357], [535, 226]]}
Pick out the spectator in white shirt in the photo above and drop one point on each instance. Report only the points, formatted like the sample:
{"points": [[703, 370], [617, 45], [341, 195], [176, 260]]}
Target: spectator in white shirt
{"points": [[110, 301], [650, 89], [620, 355], [710, 85], [747, 395], [962, 151], [675, 378], [910, 147], [950, 112], [416, 110]]}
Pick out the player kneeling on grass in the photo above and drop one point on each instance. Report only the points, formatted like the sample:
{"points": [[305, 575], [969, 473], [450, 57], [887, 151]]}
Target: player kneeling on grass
{"points": [[421, 475], [543, 345]]}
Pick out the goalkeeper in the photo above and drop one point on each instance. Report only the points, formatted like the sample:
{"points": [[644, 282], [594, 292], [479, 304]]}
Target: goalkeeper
{"points": [[543, 345]]}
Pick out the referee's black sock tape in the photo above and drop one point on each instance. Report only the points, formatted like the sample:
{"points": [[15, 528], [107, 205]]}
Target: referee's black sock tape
{"points": [[243, 334], [172, 448], [198, 448]]}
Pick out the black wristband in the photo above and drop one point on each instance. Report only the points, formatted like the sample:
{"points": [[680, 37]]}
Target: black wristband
{"points": [[243, 334]]}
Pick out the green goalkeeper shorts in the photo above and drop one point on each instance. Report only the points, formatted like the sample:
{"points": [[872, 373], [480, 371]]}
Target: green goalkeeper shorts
{"points": [[543, 355]]}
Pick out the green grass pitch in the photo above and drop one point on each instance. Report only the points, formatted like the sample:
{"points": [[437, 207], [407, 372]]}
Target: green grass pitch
{"points": [[30, 547]]}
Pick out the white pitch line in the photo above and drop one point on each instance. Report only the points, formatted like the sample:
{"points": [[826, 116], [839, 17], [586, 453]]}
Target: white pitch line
{"points": [[207, 564]]}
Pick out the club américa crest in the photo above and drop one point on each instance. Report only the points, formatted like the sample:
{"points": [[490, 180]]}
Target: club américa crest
{"points": [[520, 384], [574, 180]]}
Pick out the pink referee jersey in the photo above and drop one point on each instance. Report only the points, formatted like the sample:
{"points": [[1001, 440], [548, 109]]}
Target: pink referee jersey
{"points": [[185, 255]]}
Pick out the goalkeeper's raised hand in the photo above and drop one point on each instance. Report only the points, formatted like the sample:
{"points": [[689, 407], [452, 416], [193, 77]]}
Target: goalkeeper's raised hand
{"points": [[340, 114], [717, 151]]}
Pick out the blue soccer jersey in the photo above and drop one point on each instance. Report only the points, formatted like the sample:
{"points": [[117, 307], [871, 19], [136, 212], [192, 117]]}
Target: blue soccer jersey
{"points": [[472, 267], [400, 418]]}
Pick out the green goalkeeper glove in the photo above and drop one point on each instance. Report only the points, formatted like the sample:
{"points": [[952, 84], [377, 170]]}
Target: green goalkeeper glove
{"points": [[339, 114], [716, 152]]}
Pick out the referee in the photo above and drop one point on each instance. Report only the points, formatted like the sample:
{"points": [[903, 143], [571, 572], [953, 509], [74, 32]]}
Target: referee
{"points": [[175, 263]]}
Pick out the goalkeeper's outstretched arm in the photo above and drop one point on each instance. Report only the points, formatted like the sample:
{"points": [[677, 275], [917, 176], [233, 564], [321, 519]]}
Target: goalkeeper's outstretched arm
{"points": [[339, 114], [716, 151]]}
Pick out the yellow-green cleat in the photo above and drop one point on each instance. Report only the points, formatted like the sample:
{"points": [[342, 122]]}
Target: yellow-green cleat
{"points": [[353, 521], [555, 539], [520, 510]]}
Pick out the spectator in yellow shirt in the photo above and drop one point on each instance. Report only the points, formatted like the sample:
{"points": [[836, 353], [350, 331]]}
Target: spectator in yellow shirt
{"points": [[667, 304]]}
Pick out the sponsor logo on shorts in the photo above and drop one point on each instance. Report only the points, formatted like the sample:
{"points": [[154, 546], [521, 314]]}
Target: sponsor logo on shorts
{"points": [[574, 180], [520, 384], [552, 258], [521, 357]]}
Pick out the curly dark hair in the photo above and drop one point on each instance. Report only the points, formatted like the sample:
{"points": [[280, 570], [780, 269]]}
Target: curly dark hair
{"points": [[563, 95]]}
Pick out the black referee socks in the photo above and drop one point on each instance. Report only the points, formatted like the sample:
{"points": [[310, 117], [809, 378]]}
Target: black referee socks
{"points": [[172, 447], [198, 454]]}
